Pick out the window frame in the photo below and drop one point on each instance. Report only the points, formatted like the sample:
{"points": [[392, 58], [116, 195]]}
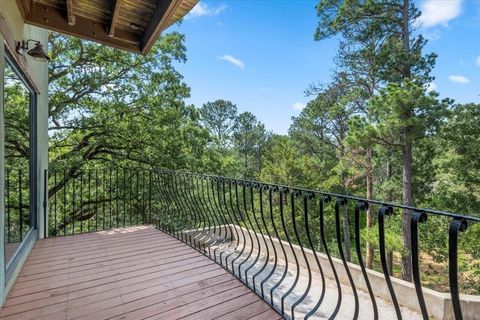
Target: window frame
{"points": [[15, 260]]}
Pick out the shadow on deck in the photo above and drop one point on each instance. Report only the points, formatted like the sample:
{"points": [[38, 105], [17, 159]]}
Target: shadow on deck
{"points": [[129, 273]]}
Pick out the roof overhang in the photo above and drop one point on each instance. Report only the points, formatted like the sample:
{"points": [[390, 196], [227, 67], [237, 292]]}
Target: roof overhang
{"points": [[131, 25]]}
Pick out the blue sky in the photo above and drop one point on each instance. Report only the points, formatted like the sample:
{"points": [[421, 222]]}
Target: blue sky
{"points": [[260, 54]]}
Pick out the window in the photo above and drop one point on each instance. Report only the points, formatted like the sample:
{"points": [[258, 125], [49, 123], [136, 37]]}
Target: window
{"points": [[20, 161]]}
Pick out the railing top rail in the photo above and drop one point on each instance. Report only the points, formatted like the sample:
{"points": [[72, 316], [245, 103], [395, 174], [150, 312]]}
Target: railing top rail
{"points": [[335, 195], [452, 215]]}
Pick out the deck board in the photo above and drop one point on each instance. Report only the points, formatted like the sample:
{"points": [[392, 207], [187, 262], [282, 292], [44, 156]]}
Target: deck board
{"points": [[128, 273]]}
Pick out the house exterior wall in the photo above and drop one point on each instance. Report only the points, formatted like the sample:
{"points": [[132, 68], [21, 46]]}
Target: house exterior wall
{"points": [[13, 29]]}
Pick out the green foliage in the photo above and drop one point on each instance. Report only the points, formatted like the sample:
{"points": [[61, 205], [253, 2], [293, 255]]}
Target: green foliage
{"points": [[219, 117], [249, 137], [108, 106]]}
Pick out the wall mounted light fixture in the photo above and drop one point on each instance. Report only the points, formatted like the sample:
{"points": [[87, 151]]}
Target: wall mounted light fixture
{"points": [[38, 53]]}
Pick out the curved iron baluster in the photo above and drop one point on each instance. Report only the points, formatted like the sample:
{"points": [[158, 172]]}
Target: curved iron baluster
{"points": [[233, 220], [282, 192], [274, 268], [237, 220], [200, 220], [186, 226], [191, 219], [178, 214], [256, 187], [226, 224], [417, 217], [184, 213], [323, 200], [250, 186], [306, 197], [174, 210], [219, 240], [310, 242], [232, 242], [386, 211], [362, 206], [161, 218], [217, 217], [340, 203], [164, 193], [267, 258], [197, 218], [297, 273], [237, 202], [456, 226], [245, 208], [211, 216], [206, 221]]}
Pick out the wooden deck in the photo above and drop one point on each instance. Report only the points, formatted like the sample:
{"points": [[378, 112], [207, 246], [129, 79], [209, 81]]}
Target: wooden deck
{"points": [[132, 273]]}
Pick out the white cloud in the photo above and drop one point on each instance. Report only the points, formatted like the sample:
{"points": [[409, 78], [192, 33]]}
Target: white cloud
{"points": [[435, 13], [431, 86], [459, 79], [477, 61], [201, 10], [236, 62], [298, 106]]}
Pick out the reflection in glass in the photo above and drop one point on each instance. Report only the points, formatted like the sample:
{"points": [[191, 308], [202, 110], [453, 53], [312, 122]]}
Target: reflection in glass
{"points": [[17, 155]]}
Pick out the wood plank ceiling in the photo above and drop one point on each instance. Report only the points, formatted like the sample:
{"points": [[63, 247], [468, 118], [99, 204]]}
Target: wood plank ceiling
{"points": [[131, 25]]}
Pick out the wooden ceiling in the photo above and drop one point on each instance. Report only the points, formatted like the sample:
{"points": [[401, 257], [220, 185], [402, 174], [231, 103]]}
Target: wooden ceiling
{"points": [[131, 25]]}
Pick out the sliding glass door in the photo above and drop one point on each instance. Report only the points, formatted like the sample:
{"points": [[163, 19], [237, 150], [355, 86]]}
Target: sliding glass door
{"points": [[19, 115]]}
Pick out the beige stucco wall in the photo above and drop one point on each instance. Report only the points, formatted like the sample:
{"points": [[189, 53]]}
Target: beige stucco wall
{"points": [[38, 72]]}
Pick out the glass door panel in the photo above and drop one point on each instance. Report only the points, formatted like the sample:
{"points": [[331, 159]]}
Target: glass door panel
{"points": [[18, 159]]}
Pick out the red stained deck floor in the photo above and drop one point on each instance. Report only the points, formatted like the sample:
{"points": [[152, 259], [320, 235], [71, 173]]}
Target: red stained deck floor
{"points": [[131, 273]]}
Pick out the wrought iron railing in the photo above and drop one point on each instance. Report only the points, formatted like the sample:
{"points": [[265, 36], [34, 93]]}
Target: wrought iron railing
{"points": [[84, 201], [287, 244], [17, 205]]}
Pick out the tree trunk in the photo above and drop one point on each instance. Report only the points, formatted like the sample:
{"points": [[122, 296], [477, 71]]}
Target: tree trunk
{"points": [[346, 220], [390, 262], [408, 200], [245, 175], [389, 199], [407, 157], [346, 233], [370, 251]]}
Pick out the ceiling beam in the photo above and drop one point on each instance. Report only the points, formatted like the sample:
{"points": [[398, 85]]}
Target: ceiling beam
{"points": [[52, 18], [70, 17], [24, 7], [158, 22], [113, 22]]}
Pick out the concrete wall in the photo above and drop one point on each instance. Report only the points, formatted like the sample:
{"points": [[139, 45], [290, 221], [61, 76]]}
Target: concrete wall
{"points": [[12, 29]]}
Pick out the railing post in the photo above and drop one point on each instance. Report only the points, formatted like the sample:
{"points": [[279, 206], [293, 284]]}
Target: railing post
{"points": [[20, 204], [386, 211], [45, 205], [150, 196], [456, 226], [417, 217]]}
